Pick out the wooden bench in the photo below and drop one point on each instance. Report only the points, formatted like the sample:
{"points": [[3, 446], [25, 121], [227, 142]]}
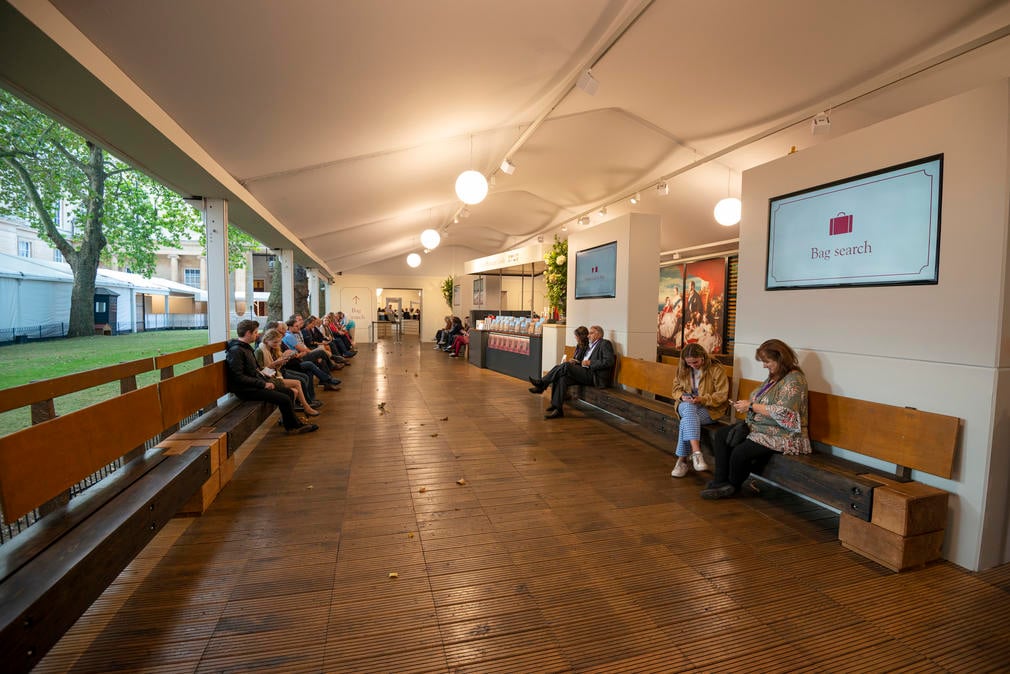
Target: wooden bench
{"points": [[641, 394], [884, 515], [53, 570]]}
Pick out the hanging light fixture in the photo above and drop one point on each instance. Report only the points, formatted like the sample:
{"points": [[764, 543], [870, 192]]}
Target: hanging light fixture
{"points": [[471, 186], [728, 211], [430, 239], [414, 260]]}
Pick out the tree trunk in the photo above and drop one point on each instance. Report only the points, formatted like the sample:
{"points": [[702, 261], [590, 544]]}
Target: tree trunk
{"points": [[84, 262]]}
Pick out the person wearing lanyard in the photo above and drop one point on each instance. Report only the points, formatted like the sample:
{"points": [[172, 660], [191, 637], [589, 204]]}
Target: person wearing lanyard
{"points": [[776, 419], [702, 388], [595, 369]]}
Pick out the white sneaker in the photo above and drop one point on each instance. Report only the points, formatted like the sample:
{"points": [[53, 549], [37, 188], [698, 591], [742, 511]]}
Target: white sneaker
{"points": [[680, 470], [698, 460]]}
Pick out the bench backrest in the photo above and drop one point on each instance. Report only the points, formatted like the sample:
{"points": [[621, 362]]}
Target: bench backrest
{"points": [[40, 462], [647, 375], [904, 436]]}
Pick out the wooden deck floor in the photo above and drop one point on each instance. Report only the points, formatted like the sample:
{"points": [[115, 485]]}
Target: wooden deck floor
{"points": [[568, 548]]}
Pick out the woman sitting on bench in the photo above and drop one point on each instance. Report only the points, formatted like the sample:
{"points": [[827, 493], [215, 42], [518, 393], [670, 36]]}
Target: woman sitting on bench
{"points": [[776, 418], [703, 391]]}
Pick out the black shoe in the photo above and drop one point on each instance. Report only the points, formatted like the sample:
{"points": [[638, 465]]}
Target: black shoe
{"points": [[303, 428], [551, 408], [717, 493], [316, 404], [331, 387], [554, 414]]}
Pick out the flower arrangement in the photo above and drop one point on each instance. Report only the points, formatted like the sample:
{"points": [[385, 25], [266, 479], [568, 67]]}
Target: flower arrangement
{"points": [[447, 286], [556, 274]]}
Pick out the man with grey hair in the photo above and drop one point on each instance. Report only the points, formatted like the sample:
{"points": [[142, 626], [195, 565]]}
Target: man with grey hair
{"points": [[595, 369]]}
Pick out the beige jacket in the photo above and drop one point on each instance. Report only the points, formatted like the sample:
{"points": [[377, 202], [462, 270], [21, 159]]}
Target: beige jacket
{"points": [[713, 388]]}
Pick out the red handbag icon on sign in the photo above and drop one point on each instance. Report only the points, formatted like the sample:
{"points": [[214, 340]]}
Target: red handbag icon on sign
{"points": [[840, 224]]}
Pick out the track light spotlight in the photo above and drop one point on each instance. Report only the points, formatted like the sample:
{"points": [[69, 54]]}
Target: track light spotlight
{"points": [[636, 198], [464, 213], [584, 220], [564, 228], [507, 167], [821, 123], [587, 82], [603, 211], [663, 188]]}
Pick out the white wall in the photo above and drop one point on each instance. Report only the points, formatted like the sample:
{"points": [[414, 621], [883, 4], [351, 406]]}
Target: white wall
{"points": [[629, 320], [936, 347], [433, 306]]}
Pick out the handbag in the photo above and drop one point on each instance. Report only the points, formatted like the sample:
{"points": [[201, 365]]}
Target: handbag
{"points": [[738, 432]]}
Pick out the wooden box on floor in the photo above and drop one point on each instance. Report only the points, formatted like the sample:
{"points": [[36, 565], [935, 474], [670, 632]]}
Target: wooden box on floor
{"points": [[908, 508], [218, 443], [896, 552]]}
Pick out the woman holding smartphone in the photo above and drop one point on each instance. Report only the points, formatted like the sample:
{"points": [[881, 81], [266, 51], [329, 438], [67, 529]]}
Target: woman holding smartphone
{"points": [[702, 391]]}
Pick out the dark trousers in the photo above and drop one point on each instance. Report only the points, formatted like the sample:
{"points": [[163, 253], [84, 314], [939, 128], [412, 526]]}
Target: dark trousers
{"points": [[311, 369], [565, 375], [308, 387], [284, 402], [734, 464]]}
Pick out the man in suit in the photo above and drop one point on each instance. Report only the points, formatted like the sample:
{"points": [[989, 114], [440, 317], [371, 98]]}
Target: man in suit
{"points": [[595, 369]]}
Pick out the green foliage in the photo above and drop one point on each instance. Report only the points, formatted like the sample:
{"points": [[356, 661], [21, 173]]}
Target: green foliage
{"points": [[239, 243], [44, 163], [447, 290], [556, 274]]}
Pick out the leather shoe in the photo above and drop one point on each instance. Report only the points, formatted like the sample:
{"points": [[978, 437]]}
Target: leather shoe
{"points": [[715, 493], [554, 414]]}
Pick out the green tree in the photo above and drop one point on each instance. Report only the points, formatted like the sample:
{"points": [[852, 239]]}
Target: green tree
{"points": [[117, 210]]}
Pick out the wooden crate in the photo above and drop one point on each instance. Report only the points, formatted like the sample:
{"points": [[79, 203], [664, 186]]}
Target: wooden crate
{"points": [[203, 498], [909, 508], [218, 443], [887, 548]]}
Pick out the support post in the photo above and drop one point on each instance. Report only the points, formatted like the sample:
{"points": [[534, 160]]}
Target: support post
{"points": [[215, 219], [313, 291], [287, 259]]}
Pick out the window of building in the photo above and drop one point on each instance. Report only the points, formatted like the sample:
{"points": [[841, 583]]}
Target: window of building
{"points": [[24, 248], [191, 277], [57, 255], [259, 285]]}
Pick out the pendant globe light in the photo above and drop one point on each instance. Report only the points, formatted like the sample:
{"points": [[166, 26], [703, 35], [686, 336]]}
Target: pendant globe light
{"points": [[414, 260], [471, 186], [728, 211], [430, 239]]}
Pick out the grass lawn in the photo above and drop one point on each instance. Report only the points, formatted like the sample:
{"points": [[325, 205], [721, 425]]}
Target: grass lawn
{"points": [[24, 363]]}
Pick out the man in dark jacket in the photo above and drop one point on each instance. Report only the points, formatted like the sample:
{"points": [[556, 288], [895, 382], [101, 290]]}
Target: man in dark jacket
{"points": [[247, 383], [596, 368]]}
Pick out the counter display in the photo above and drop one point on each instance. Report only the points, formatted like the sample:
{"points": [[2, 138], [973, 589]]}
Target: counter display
{"points": [[509, 353]]}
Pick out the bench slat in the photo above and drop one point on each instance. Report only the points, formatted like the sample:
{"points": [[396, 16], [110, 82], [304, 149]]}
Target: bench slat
{"points": [[169, 359], [903, 436], [826, 479], [184, 394], [39, 462], [43, 599], [20, 550], [28, 394]]}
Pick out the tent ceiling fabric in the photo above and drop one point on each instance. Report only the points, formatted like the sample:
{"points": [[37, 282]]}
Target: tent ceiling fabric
{"points": [[349, 121]]}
